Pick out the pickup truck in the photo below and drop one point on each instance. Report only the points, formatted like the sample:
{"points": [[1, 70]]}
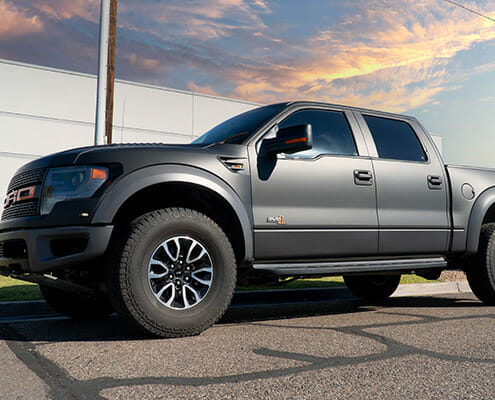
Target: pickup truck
{"points": [[162, 234]]}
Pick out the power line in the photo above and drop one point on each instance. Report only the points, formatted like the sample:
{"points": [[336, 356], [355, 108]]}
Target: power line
{"points": [[471, 10]]}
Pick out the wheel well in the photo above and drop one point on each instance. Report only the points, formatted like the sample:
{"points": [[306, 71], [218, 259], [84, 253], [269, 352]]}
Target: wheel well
{"points": [[490, 215], [185, 195]]}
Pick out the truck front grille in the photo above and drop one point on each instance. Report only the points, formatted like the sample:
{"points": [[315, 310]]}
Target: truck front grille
{"points": [[27, 179], [21, 210], [26, 208]]}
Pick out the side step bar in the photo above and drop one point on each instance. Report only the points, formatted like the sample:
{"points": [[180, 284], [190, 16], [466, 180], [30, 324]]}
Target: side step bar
{"points": [[353, 267]]}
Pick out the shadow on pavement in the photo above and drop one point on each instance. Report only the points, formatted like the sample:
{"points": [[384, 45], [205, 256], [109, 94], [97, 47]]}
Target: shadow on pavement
{"points": [[249, 307]]}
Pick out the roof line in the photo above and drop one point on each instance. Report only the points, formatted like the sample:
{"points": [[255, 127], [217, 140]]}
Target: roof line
{"points": [[353, 108]]}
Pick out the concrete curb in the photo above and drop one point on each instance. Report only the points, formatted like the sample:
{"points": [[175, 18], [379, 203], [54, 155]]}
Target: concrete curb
{"points": [[40, 308], [25, 308], [420, 289]]}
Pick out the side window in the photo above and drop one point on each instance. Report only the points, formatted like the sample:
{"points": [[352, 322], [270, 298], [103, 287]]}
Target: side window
{"points": [[331, 132], [395, 139]]}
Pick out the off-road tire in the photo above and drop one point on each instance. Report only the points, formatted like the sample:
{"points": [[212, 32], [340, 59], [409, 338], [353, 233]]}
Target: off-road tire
{"points": [[128, 279], [481, 270], [372, 287], [77, 306]]}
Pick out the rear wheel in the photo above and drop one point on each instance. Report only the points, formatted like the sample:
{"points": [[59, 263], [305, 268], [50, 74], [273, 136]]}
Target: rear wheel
{"points": [[481, 271], [372, 287], [174, 273]]}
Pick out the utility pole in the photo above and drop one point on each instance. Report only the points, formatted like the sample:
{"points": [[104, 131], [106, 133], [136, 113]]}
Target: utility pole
{"points": [[106, 72], [111, 70]]}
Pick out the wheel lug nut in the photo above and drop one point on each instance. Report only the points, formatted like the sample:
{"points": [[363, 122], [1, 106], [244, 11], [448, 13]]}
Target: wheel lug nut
{"points": [[170, 276]]}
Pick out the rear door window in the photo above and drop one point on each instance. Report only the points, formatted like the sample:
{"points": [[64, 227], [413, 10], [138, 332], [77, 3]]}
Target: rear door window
{"points": [[395, 139]]}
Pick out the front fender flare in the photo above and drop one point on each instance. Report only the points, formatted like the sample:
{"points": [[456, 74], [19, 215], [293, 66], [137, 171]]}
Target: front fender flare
{"points": [[145, 177], [484, 201]]}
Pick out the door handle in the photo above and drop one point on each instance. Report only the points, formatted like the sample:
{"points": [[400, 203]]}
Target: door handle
{"points": [[363, 177], [435, 182]]}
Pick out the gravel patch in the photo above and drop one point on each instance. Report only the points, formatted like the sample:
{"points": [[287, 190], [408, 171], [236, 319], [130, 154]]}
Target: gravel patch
{"points": [[453, 276]]}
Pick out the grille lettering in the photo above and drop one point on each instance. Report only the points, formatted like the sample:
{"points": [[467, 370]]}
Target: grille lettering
{"points": [[14, 196]]}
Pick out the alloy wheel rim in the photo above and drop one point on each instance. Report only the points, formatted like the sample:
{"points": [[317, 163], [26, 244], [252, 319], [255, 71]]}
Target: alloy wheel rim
{"points": [[180, 272]]}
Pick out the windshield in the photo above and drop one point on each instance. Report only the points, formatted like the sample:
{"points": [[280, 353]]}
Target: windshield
{"points": [[239, 128]]}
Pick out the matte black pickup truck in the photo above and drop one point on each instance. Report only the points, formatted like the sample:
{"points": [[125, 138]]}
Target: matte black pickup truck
{"points": [[162, 233]]}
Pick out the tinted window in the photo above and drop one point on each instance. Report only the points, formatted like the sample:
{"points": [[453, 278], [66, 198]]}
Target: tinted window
{"points": [[331, 132], [395, 139], [237, 129]]}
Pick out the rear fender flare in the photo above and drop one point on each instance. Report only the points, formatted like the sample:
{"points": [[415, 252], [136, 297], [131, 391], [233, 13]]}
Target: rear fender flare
{"points": [[483, 203]]}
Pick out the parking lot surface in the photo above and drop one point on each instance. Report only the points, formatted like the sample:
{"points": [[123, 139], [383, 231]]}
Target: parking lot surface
{"points": [[436, 347]]}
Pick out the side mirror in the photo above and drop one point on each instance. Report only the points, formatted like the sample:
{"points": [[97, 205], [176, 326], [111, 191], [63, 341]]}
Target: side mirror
{"points": [[288, 140]]}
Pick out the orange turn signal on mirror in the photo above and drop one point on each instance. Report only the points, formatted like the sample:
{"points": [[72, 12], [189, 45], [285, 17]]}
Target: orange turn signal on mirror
{"points": [[98, 173], [295, 140]]}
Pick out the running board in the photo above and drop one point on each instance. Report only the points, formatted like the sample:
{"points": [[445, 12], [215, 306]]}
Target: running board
{"points": [[352, 267]]}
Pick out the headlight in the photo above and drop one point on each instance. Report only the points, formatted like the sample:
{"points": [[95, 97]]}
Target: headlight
{"points": [[71, 183]]}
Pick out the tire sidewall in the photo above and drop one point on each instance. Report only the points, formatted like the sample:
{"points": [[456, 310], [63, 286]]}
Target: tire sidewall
{"points": [[149, 307], [372, 287]]}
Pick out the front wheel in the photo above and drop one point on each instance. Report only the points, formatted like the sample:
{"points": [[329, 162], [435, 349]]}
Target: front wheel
{"points": [[174, 273], [372, 287]]}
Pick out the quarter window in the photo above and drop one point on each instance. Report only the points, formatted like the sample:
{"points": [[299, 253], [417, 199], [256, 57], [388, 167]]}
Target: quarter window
{"points": [[331, 132], [395, 139]]}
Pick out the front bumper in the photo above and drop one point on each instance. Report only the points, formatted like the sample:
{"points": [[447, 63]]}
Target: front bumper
{"points": [[47, 249]]}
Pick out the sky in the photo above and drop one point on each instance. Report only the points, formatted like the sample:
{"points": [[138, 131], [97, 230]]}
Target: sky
{"points": [[428, 58]]}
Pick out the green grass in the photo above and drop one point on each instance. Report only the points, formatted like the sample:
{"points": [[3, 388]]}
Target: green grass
{"points": [[15, 290], [414, 279], [330, 281]]}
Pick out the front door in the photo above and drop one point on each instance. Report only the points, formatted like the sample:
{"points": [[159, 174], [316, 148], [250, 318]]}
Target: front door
{"points": [[318, 203]]}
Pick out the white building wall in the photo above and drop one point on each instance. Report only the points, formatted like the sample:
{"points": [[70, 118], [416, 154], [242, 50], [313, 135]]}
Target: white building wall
{"points": [[45, 110]]}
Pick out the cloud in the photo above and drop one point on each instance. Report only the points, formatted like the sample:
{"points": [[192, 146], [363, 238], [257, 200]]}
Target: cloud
{"points": [[201, 89], [200, 19], [63, 9], [391, 54], [378, 57], [264, 36], [141, 63], [16, 22], [488, 99]]}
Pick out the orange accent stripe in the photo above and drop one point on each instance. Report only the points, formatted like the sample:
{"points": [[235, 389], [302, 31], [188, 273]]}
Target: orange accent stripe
{"points": [[296, 140], [97, 173]]}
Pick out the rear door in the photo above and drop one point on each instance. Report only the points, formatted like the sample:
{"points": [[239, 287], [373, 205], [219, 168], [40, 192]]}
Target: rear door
{"points": [[317, 203], [412, 196]]}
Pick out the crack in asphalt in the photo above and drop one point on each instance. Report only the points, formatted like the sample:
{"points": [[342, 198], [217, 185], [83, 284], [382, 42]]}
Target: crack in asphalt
{"points": [[63, 386]]}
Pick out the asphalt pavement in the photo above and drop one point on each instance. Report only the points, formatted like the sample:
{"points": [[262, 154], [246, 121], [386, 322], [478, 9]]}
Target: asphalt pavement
{"points": [[427, 347]]}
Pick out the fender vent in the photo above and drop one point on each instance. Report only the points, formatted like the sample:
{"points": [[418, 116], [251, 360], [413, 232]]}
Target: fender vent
{"points": [[234, 164]]}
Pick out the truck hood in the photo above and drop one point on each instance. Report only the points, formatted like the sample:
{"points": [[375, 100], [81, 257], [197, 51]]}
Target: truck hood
{"points": [[135, 156]]}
